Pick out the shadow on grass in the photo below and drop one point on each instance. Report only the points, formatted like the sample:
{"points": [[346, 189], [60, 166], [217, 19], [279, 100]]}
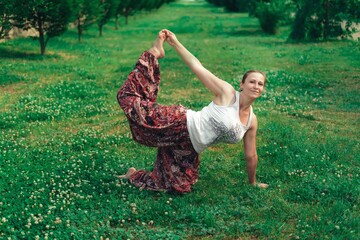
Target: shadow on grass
{"points": [[15, 54], [242, 31], [247, 32], [31, 56]]}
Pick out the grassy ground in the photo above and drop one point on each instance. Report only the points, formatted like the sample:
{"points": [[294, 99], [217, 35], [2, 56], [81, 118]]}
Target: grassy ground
{"points": [[64, 139]]}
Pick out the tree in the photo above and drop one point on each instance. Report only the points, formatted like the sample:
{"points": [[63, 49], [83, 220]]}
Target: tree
{"points": [[49, 18], [118, 10], [6, 11], [149, 5], [152, 4], [84, 14], [236, 5], [127, 8], [322, 19], [218, 3], [105, 12], [270, 13]]}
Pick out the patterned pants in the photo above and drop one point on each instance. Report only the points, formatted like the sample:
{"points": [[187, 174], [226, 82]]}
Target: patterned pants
{"points": [[156, 125]]}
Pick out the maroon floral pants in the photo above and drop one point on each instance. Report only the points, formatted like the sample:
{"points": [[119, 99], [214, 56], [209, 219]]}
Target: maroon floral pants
{"points": [[156, 125]]}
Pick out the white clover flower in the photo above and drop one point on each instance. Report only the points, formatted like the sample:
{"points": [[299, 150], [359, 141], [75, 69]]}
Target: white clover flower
{"points": [[57, 220]]}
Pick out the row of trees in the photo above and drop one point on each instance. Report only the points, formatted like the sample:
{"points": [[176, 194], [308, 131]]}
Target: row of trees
{"points": [[311, 20], [51, 18]]}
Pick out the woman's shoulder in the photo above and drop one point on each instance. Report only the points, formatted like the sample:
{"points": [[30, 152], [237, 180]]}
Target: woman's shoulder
{"points": [[253, 121], [228, 97]]}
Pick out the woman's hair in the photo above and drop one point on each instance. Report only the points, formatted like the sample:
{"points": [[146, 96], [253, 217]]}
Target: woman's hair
{"points": [[253, 71]]}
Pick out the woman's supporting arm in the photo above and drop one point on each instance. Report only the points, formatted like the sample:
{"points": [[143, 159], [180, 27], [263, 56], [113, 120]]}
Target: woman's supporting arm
{"points": [[251, 156]]}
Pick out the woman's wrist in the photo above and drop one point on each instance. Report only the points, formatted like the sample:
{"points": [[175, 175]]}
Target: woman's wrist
{"points": [[176, 45]]}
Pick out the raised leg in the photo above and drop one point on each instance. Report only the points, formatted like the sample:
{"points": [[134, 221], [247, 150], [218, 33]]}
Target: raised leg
{"points": [[151, 124], [157, 48]]}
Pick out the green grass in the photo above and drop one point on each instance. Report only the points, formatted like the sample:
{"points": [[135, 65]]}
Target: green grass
{"points": [[64, 139]]}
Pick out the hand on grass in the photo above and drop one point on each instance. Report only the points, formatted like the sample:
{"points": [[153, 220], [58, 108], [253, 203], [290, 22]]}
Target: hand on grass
{"points": [[261, 185]]}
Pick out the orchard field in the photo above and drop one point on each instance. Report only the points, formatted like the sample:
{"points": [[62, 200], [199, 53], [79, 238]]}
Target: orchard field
{"points": [[64, 139]]}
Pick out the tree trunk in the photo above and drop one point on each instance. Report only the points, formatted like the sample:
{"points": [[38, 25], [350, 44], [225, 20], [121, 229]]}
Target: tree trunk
{"points": [[100, 30], [116, 22], [326, 19], [41, 37], [80, 30], [3, 28]]}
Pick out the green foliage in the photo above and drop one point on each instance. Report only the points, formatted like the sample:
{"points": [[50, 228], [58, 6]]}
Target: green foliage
{"points": [[270, 13], [105, 13], [231, 5], [49, 18], [6, 10], [128, 8], [268, 17], [236, 5], [323, 19], [218, 3], [83, 14]]}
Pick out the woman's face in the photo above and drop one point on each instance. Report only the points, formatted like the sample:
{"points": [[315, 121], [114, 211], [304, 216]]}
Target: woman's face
{"points": [[253, 85]]}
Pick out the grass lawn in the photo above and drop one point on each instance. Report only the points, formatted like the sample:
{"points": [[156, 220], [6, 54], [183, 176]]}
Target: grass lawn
{"points": [[64, 138]]}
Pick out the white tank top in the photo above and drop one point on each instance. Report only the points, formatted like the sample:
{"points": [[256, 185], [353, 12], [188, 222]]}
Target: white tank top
{"points": [[214, 124]]}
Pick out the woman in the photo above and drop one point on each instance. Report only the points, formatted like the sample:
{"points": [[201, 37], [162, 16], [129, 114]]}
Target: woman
{"points": [[181, 134]]}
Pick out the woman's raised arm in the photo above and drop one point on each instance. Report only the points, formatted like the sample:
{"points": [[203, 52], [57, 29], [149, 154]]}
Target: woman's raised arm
{"points": [[223, 91]]}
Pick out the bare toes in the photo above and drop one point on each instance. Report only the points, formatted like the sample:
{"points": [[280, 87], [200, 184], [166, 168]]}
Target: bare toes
{"points": [[128, 174]]}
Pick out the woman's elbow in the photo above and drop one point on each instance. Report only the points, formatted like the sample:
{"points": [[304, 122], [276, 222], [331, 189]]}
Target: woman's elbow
{"points": [[251, 157]]}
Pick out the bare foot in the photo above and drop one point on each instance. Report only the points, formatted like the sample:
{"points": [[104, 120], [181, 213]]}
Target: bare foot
{"points": [[128, 174], [157, 48]]}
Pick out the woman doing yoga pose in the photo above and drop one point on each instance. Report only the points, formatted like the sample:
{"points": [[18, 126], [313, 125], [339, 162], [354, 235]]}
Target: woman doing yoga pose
{"points": [[181, 134]]}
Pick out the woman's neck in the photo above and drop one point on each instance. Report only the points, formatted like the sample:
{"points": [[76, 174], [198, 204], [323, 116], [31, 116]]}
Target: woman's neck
{"points": [[245, 102]]}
